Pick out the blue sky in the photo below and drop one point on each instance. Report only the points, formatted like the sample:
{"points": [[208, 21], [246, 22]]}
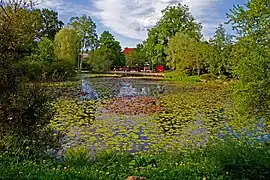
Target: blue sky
{"points": [[128, 20]]}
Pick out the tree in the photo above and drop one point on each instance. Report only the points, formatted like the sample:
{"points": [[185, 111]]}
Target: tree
{"points": [[18, 27], [108, 41], [24, 112], [50, 24], [176, 18], [66, 45], [100, 60], [86, 31], [45, 50], [252, 54], [219, 59], [184, 53], [136, 58]]}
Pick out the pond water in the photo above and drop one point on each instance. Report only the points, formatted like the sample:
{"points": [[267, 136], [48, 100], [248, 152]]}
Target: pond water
{"points": [[126, 87], [125, 116]]}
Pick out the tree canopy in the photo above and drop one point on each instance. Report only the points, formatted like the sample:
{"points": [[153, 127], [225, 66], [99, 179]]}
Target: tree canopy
{"points": [[86, 31], [252, 56], [185, 53], [108, 41], [176, 18], [50, 24], [66, 45]]}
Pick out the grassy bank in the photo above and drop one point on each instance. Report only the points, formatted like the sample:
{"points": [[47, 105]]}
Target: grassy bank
{"points": [[223, 160]]}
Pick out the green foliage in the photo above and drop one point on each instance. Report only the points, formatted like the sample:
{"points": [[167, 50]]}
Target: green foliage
{"points": [[208, 77], [179, 76], [107, 41], [219, 160], [33, 70], [77, 156], [219, 60], [136, 58], [24, 120], [24, 111], [50, 24], [60, 70], [45, 50], [175, 19], [185, 53], [252, 57], [66, 45], [86, 32], [42, 65], [16, 37], [101, 59]]}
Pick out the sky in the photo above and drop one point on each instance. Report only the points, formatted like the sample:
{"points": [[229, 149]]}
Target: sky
{"points": [[128, 20]]}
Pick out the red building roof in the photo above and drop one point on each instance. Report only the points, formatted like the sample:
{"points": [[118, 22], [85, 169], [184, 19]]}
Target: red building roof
{"points": [[127, 51]]}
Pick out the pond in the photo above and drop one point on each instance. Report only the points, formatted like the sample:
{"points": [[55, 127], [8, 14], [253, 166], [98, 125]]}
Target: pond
{"points": [[136, 115]]}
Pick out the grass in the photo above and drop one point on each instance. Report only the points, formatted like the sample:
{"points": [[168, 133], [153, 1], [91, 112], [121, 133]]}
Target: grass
{"points": [[175, 76], [86, 75], [224, 160]]}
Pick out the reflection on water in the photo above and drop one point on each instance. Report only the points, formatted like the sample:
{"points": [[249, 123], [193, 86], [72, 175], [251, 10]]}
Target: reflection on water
{"points": [[120, 87], [87, 93], [127, 90]]}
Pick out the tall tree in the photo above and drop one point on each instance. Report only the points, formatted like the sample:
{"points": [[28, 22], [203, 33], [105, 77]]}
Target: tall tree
{"points": [[66, 45], [176, 18], [184, 53], [50, 24], [86, 31], [108, 41], [252, 54], [219, 61]]}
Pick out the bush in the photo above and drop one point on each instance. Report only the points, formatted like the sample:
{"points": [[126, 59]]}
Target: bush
{"points": [[77, 156], [33, 70], [24, 119], [60, 70]]}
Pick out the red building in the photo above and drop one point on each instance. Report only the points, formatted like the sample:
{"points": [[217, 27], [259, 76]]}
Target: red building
{"points": [[127, 51]]}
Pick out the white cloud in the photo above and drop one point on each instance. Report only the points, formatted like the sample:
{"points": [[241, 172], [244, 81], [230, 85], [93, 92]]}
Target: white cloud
{"points": [[65, 8], [131, 18]]}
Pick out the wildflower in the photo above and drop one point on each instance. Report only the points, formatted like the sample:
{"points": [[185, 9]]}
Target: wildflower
{"points": [[107, 173], [204, 178]]}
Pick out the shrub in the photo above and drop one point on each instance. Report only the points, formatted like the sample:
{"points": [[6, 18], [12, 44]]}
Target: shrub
{"points": [[77, 156], [32, 70], [61, 70], [24, 118]]}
